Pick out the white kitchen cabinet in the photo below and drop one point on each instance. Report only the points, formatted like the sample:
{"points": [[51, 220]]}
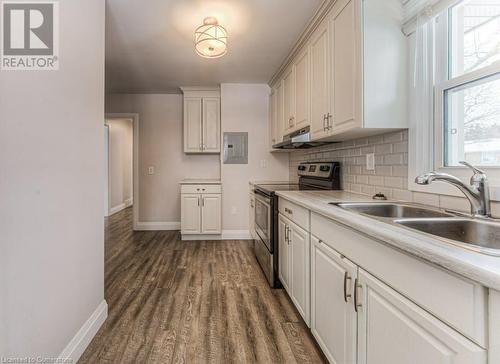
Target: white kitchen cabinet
{"points": [[211, 213], [274, 135], [294, 264], [300, 269], [333, 318], [283, 253], [211, 125], [301, 89], [192, 124], [201, 120], [345, 94], [319, 85], [190, 213], [393, 330], [357, 73], [289, 101], [201, 209], [251, 215]]}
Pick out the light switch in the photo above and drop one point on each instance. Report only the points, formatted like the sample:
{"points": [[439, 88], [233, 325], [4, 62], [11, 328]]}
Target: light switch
{"points": [[151, 170], [370, 161]]}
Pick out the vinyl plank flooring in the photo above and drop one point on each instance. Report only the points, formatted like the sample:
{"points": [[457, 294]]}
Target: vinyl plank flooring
{"points": [[172, 301]]}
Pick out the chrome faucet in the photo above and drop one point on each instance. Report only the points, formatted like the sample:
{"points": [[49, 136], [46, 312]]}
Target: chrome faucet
{"points": [[478, 192]]}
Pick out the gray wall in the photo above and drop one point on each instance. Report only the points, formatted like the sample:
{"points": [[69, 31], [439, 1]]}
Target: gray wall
{"points": [[51, 190], [161, 146]]}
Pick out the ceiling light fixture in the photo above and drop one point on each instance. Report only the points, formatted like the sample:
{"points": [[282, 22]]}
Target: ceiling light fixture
{"points": [[210, 39]]}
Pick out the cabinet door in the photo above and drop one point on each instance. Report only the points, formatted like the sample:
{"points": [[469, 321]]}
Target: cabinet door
{"points": [[280, 118], [211, 125], [345, 65], [289, 101], [333, 318], [273, 128], [190, 214], [192, 124], [319, 50], [211, 214], [300, 270], [393, 330], [283, 254], [302, 90], [251, 214]]}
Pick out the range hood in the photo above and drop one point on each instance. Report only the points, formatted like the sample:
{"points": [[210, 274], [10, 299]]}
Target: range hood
{"points": [[300, 139]]}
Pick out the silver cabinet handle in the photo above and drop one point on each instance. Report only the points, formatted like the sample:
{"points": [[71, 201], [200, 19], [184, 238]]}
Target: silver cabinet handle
{"points": [[346, 278], [356, 286], [202, 201], [199, 201], [288, 211], [329, 121], [324, 122]]}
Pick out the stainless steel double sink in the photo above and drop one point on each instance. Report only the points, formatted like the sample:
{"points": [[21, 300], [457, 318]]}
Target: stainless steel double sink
{"points": [[481, 235]]}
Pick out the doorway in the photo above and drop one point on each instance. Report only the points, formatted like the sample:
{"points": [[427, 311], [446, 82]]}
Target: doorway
{"points": [[121, 164]]}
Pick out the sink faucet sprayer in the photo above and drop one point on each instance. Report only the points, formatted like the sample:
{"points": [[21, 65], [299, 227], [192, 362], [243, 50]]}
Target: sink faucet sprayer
{"points": [[478, 192]]}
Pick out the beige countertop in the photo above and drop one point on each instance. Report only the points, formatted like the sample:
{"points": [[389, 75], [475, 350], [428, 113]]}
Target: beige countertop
{"points": [[200, 181], [479, 267]]}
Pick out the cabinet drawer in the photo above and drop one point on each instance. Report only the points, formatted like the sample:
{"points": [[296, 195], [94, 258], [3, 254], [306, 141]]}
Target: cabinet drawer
{"points": [[296, 213], [459, 302], [201, 189]]}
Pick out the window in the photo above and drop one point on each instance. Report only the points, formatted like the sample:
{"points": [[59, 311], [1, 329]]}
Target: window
{"points": [[468, 101]]}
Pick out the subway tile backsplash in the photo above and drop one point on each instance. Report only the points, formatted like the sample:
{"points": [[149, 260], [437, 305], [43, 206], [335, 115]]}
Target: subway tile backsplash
{"points": [[391, 169]]}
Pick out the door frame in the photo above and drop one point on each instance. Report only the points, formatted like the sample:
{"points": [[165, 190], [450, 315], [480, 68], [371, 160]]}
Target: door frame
{"points": [[134, 117]]}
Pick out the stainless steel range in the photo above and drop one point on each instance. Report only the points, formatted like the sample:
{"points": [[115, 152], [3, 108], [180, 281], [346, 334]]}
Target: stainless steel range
{"points": [[312, 176]]}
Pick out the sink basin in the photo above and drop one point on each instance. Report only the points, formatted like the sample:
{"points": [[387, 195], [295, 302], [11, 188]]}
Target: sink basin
{"points": [[482, 236], [391, 210]]}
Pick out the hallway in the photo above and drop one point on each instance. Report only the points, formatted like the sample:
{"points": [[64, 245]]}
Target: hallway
{"points": [[192, 302]]}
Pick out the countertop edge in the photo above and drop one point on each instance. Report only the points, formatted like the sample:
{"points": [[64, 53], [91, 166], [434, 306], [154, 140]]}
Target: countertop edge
{"points": [[455, 259]]}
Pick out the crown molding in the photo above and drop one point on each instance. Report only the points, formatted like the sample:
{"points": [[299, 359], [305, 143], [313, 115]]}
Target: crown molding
{"points": [[311, 26]]}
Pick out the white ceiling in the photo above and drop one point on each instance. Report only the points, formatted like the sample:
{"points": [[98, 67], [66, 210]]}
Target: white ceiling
{"points": [[149, 44]]}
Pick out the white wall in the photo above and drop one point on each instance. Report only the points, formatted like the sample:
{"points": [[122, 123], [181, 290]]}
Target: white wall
{"points": [[160, 145], [121, 141], [51, 190], [244, 108]]}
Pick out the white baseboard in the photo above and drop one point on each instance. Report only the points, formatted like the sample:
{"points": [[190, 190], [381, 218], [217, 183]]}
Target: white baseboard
{"points": [[226, 235], [236, 235], [84, 336], [161, 225], [121, 206]]}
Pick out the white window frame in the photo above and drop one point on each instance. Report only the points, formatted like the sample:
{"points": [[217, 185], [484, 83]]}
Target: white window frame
{"points": [[435, 156]]}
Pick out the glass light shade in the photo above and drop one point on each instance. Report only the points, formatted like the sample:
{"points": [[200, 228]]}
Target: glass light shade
{"points": [[211, 39]]}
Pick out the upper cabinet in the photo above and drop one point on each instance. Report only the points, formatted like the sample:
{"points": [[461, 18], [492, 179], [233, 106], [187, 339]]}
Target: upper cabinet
{"points": [[348, 74], [201, 120]]}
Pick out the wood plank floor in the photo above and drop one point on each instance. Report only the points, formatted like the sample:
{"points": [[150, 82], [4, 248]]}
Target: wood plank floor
{"points": [[192, 302]]}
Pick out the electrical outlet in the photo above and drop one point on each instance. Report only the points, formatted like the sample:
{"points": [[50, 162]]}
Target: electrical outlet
{"points": [[370, 161], [151, 170], [263, 163]]}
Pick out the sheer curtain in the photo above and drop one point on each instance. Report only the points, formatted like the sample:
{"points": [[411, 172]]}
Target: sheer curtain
{"points": [[422, 91]]}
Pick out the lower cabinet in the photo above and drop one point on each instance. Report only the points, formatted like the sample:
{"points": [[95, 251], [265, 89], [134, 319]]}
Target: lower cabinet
{"points": [[201, 213], [356, 318], [394, 330], [294, 264], [333, 316]]}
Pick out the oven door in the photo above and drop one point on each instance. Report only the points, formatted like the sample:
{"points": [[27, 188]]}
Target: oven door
{"points": [[263, 216]]}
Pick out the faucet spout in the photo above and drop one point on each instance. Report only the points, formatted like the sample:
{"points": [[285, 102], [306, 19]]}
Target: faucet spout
{"points": [[477, 193]]}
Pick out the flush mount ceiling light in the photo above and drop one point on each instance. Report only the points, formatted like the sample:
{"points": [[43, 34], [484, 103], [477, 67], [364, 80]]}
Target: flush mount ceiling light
{"points": [[210, 39]]}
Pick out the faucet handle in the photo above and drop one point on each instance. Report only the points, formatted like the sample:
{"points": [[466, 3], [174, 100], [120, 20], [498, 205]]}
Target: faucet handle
{"points": [[474, 169]]}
